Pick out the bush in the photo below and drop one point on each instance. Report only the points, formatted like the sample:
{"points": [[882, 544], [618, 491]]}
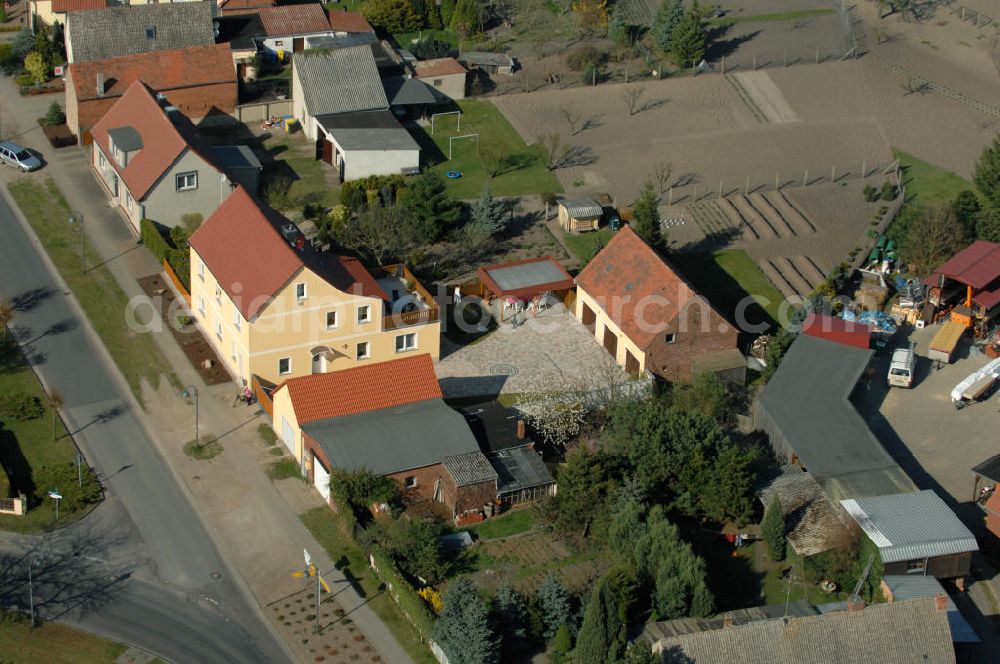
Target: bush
{"points": [[357, 195], [180, 261], [75, 494], [585, 56], [870, 193], [55, 115], [21, 406], [276, 192], [405, 596], [429, 48], [888, 192], [24, 79], [152, 236]]}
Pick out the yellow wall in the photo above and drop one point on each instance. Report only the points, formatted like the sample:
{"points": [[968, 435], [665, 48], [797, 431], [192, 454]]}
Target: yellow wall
{"points": [[287, 328], [604, 322], [42, 9], [283, 409]]}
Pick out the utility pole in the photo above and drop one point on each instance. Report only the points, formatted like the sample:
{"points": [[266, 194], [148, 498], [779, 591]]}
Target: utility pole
{"points": [[31, 588], [76, 220], [187, 393]]}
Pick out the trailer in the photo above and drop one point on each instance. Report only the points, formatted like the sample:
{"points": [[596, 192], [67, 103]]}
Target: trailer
{"points": [[977, 386], [944, 343]]}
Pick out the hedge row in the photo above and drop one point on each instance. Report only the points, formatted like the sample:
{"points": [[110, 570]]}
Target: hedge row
{"points": [[161, 246], [412, 606]]}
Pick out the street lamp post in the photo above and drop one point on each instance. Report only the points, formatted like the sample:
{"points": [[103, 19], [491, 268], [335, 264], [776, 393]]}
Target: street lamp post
{"points": [[76, 220], [31, 588], [187, 393]]}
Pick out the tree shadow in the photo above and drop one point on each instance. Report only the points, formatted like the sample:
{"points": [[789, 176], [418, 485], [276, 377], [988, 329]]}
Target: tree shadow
{"points": [[15, 465], [31, 298], [720, 48]]}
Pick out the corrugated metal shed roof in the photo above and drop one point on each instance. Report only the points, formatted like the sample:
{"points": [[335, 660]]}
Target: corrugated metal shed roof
{"points": [[525, 278], [367, 130], [394, 439], [339, 81], [582, 208], [519, 468], [915, 586], [909, 526], [470, 468]]}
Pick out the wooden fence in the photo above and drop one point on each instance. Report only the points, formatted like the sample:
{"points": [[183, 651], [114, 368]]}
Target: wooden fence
{"points": [[178, 285]]}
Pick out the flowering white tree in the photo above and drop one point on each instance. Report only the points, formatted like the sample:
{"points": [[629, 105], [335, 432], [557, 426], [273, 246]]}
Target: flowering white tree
{"points": [[557, 416]]}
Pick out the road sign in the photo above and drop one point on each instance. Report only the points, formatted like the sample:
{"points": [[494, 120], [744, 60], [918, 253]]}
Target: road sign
{"points": [[55, 494], [305, 554]]}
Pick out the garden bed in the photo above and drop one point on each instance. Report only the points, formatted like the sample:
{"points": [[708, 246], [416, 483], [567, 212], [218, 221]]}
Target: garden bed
{"points": [[43, 89], [188, 336]]}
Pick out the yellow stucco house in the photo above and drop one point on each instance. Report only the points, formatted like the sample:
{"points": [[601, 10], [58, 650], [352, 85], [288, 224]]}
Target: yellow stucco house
{"points": [[274, 307]]}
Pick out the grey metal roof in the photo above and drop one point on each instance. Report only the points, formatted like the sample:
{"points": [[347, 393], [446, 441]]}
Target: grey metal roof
{"points": [[403, 91], [519, 468], [229, 157], [990, 469], [339, 81], [391, 440], [806, 411], [908, 526], [470, 468], [914, 586], [126, 138], [909, 632], [108, 33], [582, 208], [527, 275], [342, 40], [367, 130]]}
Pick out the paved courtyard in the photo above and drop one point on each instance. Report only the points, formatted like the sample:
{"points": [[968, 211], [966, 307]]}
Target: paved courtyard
{"points": [[550, 351]]}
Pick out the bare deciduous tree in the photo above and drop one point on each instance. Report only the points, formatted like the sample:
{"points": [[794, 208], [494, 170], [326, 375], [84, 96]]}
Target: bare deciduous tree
{"points": [[631, 94], [494, 159], [933, 238], [571, 118], [556, 151], [661, 173]]}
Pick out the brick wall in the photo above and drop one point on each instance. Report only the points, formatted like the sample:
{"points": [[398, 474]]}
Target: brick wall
{"points": [[426, 479], [700, 329], [195, 102]]}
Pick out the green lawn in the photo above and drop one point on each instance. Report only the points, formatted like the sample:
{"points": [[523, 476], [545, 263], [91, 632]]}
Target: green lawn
{"points": [[295, 157], [511, 523], [777, 587], [582, 244], [526, 171], [28, 445], [327, 528], [405, 39], [768, 18], [54, 643], [102, 299], [927, 185], [726, 277]]}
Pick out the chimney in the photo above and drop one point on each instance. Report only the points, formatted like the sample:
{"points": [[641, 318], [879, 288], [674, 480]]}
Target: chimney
{"points": [[941, 602], [100, 84], [520, 430], [727, 621], [855, 603]]}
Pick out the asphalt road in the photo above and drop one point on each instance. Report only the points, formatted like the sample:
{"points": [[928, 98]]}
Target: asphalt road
{"points": [[141, 568]]}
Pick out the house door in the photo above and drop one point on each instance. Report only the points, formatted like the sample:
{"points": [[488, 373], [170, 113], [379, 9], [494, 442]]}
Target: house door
{"points": [[631, 364], [288, 436], [611, 342], [321, 478], [589, 319], [298, 44]]}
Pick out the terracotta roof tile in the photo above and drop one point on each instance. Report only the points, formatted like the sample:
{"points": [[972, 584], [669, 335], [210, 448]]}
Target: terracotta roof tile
{"points": [[228, 7], [163, 140], [289, 20], [437, 67], [60, 6], [344, 21], [631, 281], [362, 389], [162, 71], [242, 247]]}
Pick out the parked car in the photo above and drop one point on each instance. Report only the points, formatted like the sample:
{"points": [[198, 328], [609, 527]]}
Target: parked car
{"points": [[901, 368], [15, 155]]}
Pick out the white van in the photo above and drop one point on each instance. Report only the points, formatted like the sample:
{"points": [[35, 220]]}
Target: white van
{"points": [[901, 367]]}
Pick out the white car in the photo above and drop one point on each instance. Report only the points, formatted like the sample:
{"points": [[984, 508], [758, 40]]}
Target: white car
{"points": [[15, 155]]}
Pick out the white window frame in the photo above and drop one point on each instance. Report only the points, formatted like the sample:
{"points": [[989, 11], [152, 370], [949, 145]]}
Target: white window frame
{"points": [[336, 320], [183, 177], [129, 202], [410, 482], [236, 318], [201, 269], [102, 161], [218, 329], [670, 338], [406, 347], [368, 350], [367, 309], [288, 370], [301, 298], [201, 304], [218, 294]]}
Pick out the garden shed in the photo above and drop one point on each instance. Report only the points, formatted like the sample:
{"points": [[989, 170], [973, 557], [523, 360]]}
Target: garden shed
{"points": [[526, 279], [580, 214]]}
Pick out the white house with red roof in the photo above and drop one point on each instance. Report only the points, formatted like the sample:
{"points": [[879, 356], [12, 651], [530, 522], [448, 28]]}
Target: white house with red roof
{"points": [[275, 308], [152, 162]]}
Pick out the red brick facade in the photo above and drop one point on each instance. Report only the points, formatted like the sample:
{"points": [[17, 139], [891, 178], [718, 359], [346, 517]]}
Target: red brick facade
{"points": [[699, 329], [472, 497]]}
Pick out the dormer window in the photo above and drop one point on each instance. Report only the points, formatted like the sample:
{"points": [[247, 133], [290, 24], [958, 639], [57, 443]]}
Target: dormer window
{"points": [[122, 143]]}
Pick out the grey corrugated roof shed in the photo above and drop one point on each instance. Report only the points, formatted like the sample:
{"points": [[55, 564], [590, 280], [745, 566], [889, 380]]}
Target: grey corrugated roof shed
{"points": [[908, 526], [914, 586], [663, 629], [527, 275], [470, 468], [911, 632], [339, 81], [392, 440], [368, 130], [806, 411], [108, 33], [582, 208], [519, 468]]}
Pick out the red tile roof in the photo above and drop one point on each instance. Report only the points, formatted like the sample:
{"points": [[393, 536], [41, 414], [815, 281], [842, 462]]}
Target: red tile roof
{"points": [[242, 247], [228, 7], [289, 20], [60, 6], [162, 71], [838, 330], [639, 290], [437, 67], [363, 389], [163, 140], [344, 21]]}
